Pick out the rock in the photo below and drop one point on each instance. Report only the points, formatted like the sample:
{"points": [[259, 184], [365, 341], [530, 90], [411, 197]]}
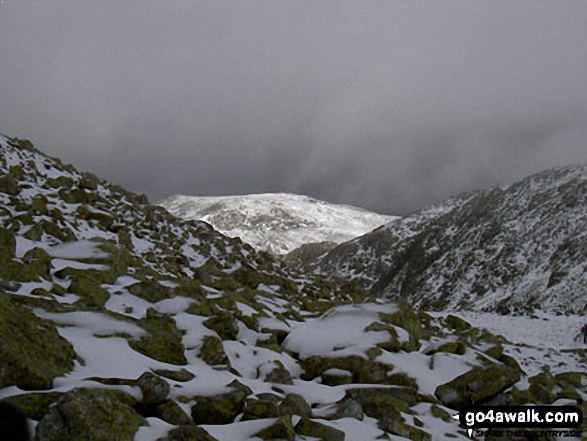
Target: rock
{"points": [[35, 353], [90, 291], [34, 405], [163, 341], [7, 244], [151, 290], [220, 409], [281, 429], [377, 402], [172, 413], [274, 372], [478, 385], [182, 375], [308, 427], [89, 414], [451, 347], [39, 260], [362, 370], [212, 352], [457, 323], [9, 185], [258, 409], [405, 318], [154, 388], [224, 324], [294, 404], [347, 408], [188, 432], [336, 377]]}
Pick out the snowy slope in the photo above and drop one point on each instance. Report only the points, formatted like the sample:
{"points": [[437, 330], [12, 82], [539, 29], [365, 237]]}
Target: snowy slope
{"points": [[112, 310], [521, 247], [277, 222]]}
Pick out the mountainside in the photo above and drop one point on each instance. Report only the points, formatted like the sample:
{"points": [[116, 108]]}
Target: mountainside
{"points": [[277, 222], [521, 247], [121, 321]]}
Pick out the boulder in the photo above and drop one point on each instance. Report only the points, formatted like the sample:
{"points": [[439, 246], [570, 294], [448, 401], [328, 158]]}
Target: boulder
{"points": [[362, 370], [294, 404], [224, 324], [89, 414], [151, 290], [222, 408], [275, 372], [212, 352], [314, 429], [259, 409], [476, 386], [35, 405], [163, 341], [7, 245], [188, 432], [281, 429], [35, 353], [171, 412], [153, 387]]}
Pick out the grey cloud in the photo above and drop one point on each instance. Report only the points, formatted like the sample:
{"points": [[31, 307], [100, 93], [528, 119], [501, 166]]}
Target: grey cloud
{"points": [[385, 105]]}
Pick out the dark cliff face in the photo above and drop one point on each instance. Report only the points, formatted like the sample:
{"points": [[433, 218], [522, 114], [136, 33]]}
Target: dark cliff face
{"points": [[521, 247]]}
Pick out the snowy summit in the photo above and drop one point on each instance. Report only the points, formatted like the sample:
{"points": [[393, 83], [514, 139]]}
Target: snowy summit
{"points": [[277, 222]]}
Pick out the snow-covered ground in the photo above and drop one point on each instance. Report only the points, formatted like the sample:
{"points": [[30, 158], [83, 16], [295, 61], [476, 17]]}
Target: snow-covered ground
{"points": [[537, 341], [277, 222]]}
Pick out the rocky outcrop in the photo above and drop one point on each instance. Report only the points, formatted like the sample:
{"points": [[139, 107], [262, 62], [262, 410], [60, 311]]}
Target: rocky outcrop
{"points": [[89, 414]]}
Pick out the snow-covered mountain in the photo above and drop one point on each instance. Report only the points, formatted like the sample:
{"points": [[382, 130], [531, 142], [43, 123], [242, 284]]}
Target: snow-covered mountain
{"points": [[121, 321], [520, 247], [277, 222]]}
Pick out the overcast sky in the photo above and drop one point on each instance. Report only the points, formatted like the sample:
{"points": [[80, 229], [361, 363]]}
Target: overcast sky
{"points": [[386, 105]]}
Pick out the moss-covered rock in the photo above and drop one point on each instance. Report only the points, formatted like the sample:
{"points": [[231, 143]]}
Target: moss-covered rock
{"points": [[89, 414], [378, 401], [476, 386], [362, 370], [153, 388], [456, 323], [450, 347], [224, 324], [294, 404], [181, 375], [171, 412], [7, 245], [212, 352], [189, 432], [259, 409], [90, 291], [314, 429], [151, 290], [281, 429], [32, 353], [9, 185], [275, 372], [222, 408], [162, 341], [35, 405], [405, 318]]}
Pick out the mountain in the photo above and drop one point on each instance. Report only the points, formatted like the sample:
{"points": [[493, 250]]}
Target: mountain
{"points": [[121, 321], [277, 222], [518, 248]]}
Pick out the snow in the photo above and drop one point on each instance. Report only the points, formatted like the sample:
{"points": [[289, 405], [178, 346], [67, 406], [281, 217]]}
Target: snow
{"points": [[277, 222], [537, 340], [341, 327]]}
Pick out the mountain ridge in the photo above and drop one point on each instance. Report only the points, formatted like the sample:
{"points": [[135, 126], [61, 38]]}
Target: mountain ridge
{"points": [[277, 222], [515, 247]]}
